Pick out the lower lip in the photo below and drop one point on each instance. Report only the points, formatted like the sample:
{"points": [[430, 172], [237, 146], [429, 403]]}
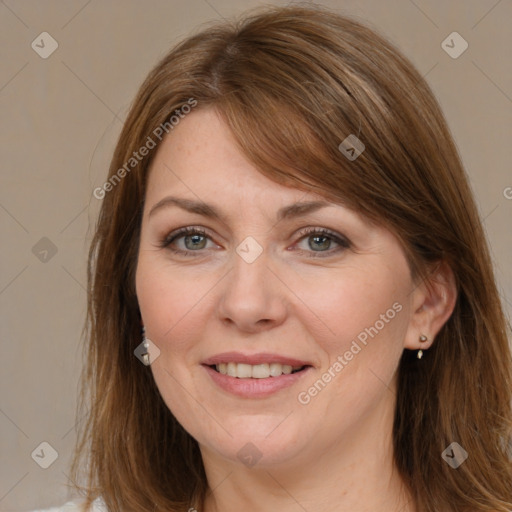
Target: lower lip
{"points": [[254, 388]]}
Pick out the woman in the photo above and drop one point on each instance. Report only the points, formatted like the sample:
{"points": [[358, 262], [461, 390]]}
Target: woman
{"points": [[291, 303]]}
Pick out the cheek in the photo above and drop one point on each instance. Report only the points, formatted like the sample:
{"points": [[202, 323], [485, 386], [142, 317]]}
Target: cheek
{"points": [[366, 314], [169, 301], [360, 305], [170, 310]]}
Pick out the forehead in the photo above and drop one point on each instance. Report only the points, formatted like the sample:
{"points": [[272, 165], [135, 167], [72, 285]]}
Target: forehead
{"points": [[200, 158], [200, 168]]}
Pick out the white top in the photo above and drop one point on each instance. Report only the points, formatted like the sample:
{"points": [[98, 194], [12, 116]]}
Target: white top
{"points": [[75, 506]]}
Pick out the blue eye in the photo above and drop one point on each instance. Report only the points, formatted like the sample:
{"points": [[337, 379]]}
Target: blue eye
{"points": [[320, 241], [194, 238]]}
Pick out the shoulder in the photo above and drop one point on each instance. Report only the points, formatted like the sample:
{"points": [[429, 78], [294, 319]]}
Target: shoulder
{"points": [[76, 506]]}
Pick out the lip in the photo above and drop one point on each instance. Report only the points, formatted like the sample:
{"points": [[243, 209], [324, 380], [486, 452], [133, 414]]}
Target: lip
{"points": [[253, 359], [255, 388]]}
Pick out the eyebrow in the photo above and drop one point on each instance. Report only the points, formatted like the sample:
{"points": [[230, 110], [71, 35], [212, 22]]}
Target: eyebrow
{"points": [[208, 210]]}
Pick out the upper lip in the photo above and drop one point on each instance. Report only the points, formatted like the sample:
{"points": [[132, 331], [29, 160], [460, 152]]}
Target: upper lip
{"points": [[253, 359]]}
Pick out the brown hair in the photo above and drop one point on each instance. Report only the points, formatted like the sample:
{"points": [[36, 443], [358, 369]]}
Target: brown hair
{"points": [[292, 83]]}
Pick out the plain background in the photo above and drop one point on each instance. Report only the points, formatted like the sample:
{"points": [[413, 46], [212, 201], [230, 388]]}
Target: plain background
{"points": [[60, 120]]}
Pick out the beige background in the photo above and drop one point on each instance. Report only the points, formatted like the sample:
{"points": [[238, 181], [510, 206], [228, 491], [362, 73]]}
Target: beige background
{"points": [[60, 119]]}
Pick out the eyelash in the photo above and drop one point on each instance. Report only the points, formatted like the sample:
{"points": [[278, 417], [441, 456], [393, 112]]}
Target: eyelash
{"points": [[190, 230]]}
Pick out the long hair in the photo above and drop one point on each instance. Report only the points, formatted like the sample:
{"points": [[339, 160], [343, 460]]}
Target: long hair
{"points": [[292, 84]]}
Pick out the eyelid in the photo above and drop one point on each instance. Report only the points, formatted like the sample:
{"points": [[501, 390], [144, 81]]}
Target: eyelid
{"points": [[342, 241], [323, 231], [181, 232]]}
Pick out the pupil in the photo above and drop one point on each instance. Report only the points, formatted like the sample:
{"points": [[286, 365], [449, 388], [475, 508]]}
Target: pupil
{"points": [[194, 245], [326, 240]]}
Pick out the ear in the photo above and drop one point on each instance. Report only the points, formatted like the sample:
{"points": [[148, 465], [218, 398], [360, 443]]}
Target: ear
{"points": [[433, 301]]}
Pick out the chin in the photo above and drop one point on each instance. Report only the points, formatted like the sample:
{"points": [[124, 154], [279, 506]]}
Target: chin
{"points": [[258, 443]]}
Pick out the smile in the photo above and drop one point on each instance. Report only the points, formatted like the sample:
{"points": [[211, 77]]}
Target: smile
{"points": [[257, 371], [260, 384]]}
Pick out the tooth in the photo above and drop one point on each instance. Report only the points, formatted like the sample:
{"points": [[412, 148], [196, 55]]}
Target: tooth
{"points": [[287, 369], [231, 369], [257, 371], [276, 369], [260, 371], [244, 371]]}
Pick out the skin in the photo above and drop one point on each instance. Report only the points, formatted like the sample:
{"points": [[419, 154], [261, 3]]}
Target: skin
{"points": [[335, 452]]}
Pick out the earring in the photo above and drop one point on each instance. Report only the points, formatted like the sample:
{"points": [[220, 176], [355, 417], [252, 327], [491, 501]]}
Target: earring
{"points": [[145, 342], [423, 338]]}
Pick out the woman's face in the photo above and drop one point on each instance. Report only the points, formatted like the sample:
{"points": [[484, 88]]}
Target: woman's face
{"points": [[260, 284]]}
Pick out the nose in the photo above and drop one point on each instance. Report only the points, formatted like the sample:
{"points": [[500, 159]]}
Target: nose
{"points": [[253, 298]]}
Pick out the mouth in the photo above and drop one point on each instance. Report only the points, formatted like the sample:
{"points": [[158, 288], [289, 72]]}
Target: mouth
{"points": [[256, 371], [258, 380], [255, 375]]}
